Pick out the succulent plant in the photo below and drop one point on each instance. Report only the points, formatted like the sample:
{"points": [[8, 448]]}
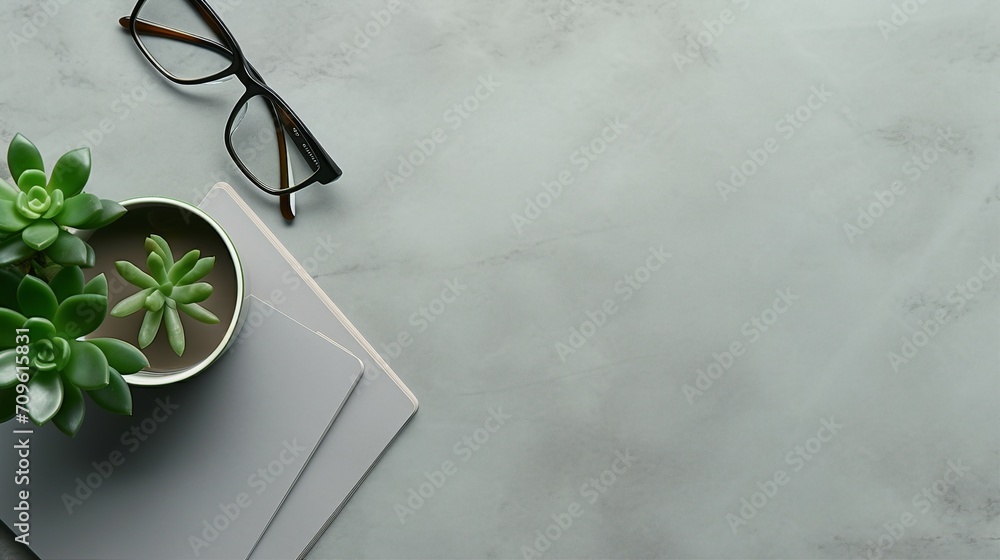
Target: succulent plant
{"points": [[35, 215], [59, 366], [168, 288]]}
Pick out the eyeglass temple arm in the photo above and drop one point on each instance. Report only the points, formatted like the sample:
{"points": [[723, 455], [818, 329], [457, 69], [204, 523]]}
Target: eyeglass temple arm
{"points": [[156, 30], [287, 202]]}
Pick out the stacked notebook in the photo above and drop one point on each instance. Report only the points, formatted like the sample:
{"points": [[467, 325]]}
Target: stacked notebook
{"points": [[253, 458]]}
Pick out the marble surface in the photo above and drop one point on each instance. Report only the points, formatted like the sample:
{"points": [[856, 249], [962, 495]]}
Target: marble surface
{"points": [[680, 248]]}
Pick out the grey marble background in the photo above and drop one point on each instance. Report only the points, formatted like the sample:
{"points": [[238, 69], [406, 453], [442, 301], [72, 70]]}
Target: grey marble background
{"points": [[874, 218]]}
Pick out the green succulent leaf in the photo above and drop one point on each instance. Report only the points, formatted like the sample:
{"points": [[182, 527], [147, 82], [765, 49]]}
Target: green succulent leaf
{"points": [[36, 298], [87, 367], [91, 255], [44, 358], [116, 397], [9, 321], [11, 219], [80, 315], [7, 192], [30, 179], [183, 266], [22, 155], [134, 276], [46, 390], [67, 282], [157, 267], [8, 368], [24, 205], [150, 326], [97, 285], [121, 355], [56, 206], [71, 172], [40, 234], [13, 250], [132, 303], [151, 246], [69, 250], [201, 268], [110, 211], [46, 268], [155, 300], [70, 415], [40, 328], [62, 350], [44, 365], [193, 293], [163, 249], [10, 279], [79, 210], [198, 313], [175, 330]]}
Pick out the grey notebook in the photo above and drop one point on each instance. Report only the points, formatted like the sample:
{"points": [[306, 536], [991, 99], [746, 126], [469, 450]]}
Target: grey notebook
{"points": [[201, 466], [376, 412]]}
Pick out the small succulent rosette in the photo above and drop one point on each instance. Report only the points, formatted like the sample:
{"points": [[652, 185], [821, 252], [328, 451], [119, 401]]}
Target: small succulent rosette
{"points": [[36, 214], [41, 346], [168, 289]]}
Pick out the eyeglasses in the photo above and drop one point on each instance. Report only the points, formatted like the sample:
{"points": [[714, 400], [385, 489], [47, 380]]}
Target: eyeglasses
{"points": [[187, 42]]}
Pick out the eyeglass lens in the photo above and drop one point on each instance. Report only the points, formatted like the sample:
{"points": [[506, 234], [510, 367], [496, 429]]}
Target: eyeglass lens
{"points": [[182, 59]]}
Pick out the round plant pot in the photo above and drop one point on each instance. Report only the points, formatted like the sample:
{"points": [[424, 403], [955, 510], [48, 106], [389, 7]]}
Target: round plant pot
{"points": [[185, 228]]}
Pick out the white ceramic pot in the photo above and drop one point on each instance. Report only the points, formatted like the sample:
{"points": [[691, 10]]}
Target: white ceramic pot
{"points": [[185, 227]]}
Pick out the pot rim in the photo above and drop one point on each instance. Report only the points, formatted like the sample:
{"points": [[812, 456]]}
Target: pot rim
{"points": [[144, 378]]}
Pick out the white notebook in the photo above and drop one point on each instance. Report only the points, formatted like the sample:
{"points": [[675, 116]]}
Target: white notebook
{"points": [[201, 467], [376, 412]]}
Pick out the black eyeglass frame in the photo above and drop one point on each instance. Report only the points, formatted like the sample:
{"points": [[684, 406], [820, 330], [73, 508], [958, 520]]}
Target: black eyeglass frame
{"points": [[326, 171]]}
